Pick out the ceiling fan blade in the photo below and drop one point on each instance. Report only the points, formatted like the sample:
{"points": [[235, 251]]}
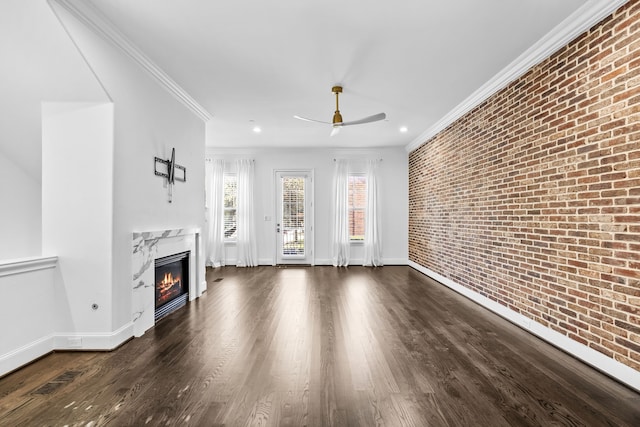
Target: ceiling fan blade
{"points": [[311, 120], [335, 130], [374, 118]]}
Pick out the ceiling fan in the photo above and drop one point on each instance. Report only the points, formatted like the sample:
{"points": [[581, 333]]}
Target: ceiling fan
{"points": [[337, 122]]}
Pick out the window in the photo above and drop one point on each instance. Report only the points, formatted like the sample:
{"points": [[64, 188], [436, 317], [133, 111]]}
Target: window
{"points": [[293, 215], [357, 205], [230, 206]]}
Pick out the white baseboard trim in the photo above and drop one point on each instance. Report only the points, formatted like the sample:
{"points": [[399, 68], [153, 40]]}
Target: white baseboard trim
{"points": [[232, 262], [92, 340], [63, 341], [358, 262], [323, 261], [593, 358], [395, 261], [26, 354]]}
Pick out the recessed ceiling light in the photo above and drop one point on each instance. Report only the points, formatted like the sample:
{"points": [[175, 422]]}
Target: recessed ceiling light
{"points": [[257, 129], [404, 129]]}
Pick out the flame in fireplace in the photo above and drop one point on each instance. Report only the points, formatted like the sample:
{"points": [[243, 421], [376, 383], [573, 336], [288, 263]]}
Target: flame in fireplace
{"points": [[168, 287], [168, 280]]}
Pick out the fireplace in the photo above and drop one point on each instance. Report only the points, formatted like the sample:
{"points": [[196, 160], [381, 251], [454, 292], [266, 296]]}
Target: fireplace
{"points": [[172, 283]]}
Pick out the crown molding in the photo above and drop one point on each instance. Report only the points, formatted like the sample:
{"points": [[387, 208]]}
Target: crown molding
{"points": [[592, 12], [98, 23]]}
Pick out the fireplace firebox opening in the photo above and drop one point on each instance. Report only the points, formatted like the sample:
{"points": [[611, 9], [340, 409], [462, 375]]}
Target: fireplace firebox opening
{"points": [[172, 283]]}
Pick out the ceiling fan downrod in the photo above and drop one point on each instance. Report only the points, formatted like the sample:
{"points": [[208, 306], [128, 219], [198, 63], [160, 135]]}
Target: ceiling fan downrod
{"points": [[337, 117]]}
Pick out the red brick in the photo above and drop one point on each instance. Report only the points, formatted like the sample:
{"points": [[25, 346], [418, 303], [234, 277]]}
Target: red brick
{"points": [[533, 197]]}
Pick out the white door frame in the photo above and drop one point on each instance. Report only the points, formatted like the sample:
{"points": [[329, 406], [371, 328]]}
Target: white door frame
{"points": [[309, 214]]}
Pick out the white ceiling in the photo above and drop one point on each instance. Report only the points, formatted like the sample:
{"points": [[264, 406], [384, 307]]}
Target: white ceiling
{"points": [[257, 63]]}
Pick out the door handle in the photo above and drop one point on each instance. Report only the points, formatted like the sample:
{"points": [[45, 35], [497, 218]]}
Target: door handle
{"points": [[277, 228]]}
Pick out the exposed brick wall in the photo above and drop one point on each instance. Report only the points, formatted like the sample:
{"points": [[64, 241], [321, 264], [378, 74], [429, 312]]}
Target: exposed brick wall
{"points": [[533, 198]]}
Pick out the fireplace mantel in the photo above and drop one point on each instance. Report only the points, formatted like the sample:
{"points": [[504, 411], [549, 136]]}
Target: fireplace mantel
{"points": [[146, 247]]}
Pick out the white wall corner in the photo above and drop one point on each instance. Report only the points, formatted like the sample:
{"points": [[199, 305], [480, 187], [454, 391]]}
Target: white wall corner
{"points": [[91, 17], [593, 358]]}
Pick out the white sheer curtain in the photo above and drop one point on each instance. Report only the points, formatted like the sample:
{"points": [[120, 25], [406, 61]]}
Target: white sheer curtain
{"points": [[372, 241], [340, 247], [246, 243], [214, 208]]}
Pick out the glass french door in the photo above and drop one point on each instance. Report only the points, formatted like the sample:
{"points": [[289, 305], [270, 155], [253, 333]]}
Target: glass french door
{"points": [[294, 216]]}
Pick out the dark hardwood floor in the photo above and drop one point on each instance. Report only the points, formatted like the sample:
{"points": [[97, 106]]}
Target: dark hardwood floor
{"points": [[320, 346]]}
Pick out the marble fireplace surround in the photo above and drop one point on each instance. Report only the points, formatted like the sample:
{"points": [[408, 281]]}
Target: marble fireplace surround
{"points": [[146, 247]]}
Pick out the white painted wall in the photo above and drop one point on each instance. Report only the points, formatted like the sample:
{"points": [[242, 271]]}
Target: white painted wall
{"points": [[393, 189], [95, 157], [148, 122], [39, 63], [77, 209], [32, 281], [20, 218], [42, 64]]}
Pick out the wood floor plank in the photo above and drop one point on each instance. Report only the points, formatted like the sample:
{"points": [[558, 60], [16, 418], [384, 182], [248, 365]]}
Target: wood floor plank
{"points": [[320, 346]]}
